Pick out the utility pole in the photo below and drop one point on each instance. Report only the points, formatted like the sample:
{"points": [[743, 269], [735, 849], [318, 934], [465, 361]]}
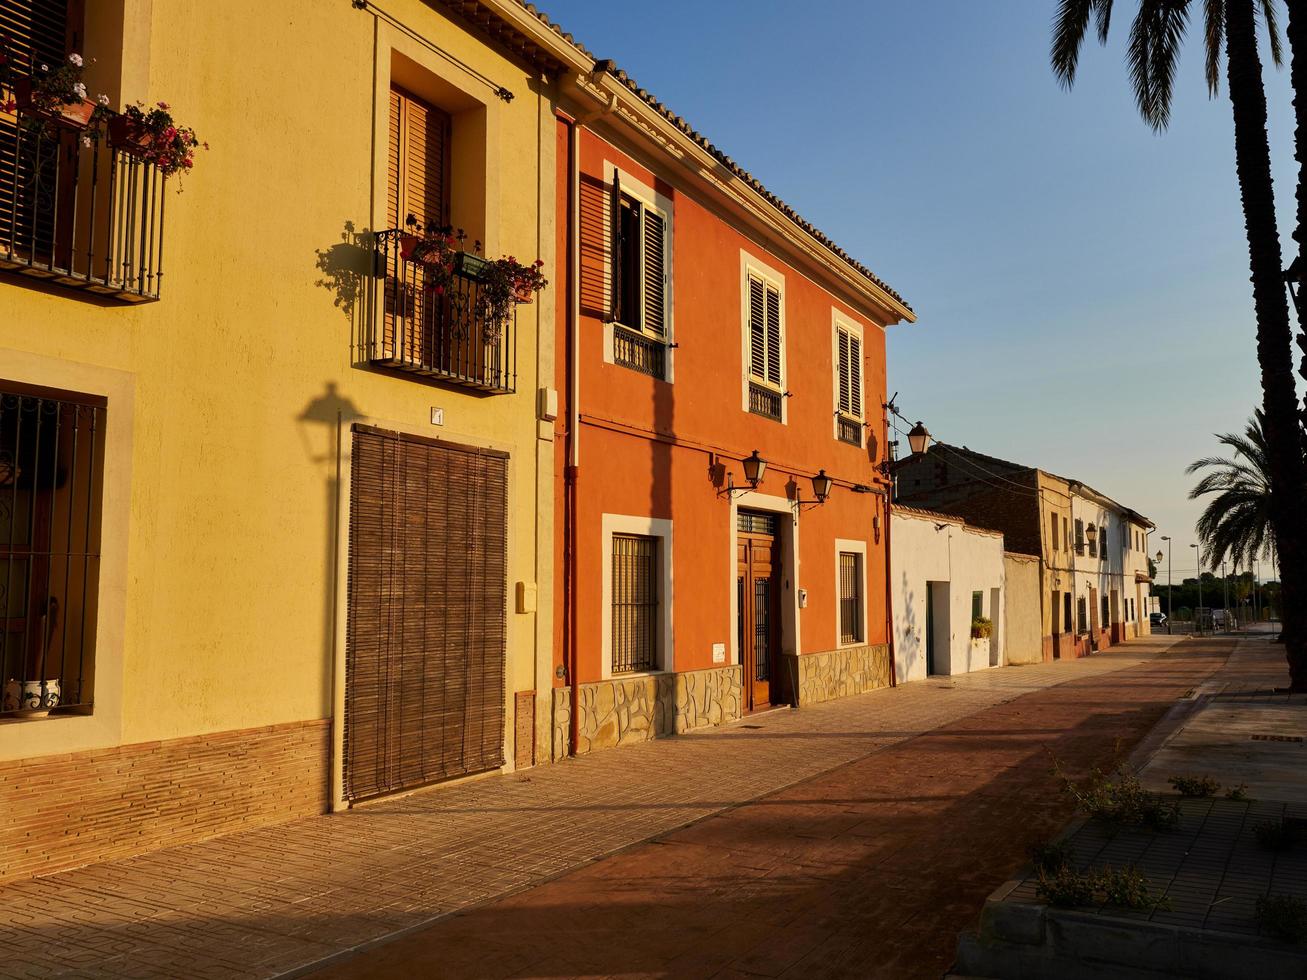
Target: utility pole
{"points": [[1170, 609], [1225, 595], [1198, 552]]}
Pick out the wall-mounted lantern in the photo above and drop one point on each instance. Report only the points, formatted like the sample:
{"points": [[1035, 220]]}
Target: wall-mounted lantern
{"points": [[821, 487], [1091, 535], [754, 469]]}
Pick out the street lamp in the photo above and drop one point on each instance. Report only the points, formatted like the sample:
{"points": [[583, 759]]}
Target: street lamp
{"points": [[1198, 553], [918, 439], [1170, 609], [821, 485], [754, 468]]}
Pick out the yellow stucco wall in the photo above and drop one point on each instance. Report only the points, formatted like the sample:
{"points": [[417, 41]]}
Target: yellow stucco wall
{"points": [[221, 527]]}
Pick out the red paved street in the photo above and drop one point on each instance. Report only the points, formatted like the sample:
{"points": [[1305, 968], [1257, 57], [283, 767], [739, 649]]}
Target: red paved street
{"points": [[868, 870]]}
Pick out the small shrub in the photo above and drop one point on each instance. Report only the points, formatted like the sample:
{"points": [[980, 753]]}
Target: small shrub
{"points": [[1197, 786], [1051, 857], [1275, 835], [1238, 793], [1116, 797], [981, 628], [1283, 916], [1065, 888], [1128, 889]]}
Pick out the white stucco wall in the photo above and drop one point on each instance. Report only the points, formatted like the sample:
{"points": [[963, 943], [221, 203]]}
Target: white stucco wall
{"points": [[1022, 634], [955, 560], [1116, 573]]}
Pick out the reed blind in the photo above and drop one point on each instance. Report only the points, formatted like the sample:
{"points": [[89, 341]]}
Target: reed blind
{"points": [[425, 636]]}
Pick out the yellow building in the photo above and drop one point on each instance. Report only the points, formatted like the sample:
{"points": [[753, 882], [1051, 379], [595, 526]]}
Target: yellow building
{"points": [[277, 498]]}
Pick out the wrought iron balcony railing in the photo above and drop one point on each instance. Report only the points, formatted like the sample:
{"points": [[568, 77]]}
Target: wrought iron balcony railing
{"points": [[640, 353], [437, 329], [77, 211], [850, 431], [764, 401]]}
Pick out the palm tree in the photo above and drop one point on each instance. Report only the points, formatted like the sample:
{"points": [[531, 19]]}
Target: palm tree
{"points": [[1230, 28], [1236, 523]]}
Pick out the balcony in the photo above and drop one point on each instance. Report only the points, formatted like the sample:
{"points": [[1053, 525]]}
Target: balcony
{"points": [[639, 353], [850, 431], [764, 401], [86, 217], [442, 334]]}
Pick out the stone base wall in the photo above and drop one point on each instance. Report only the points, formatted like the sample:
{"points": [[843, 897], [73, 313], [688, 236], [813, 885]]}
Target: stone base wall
{"points": [[623, 710], [839, 673], [63, 811]]}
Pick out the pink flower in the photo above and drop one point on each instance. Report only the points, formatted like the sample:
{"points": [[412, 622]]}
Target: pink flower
{"points": [[163, 106]]}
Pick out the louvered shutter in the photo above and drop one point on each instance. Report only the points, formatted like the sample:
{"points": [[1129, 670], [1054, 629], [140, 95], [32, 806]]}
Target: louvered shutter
{"points": [[418, 157], [394, 162], [773, 336], [855, 375], [596, 249], [425, 634], [843, 371], [615, 249], [655, 272], [32, 33], [757, 329]]}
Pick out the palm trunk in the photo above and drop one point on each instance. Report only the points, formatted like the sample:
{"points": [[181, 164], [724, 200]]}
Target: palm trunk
{"points": [[1297, 33], [1274, 333]]}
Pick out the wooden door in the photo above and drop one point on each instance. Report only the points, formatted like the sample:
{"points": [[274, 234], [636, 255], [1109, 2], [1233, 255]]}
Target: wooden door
{"points": [[758, 595], [1093, 619], [930, 629], [425, 643]]}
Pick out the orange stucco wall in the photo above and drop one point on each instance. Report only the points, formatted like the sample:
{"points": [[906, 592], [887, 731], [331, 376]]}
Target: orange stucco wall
{"points": [[647, 447]]}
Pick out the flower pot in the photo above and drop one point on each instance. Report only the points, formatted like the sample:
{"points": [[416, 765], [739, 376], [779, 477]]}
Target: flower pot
{"points": [[126, 134], [407, 243], [523, 294], [74, 115], [30, 699]]}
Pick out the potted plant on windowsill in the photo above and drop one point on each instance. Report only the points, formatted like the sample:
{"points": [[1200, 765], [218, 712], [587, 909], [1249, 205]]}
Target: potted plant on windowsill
{"points": [[981, 628], [505, 283], [57, 97], [154, 136], [35, 699]]}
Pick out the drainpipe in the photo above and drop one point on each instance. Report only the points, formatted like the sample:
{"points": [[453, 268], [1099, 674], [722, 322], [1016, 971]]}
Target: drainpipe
{"points": [[889, 602], [572, 470]]}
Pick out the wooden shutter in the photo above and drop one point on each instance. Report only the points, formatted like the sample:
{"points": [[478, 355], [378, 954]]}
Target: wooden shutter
{"points": [[855, 376], [32, 33], [655, 272], [843, 368], [773, 335], [596, 249], [418, 156], [425, 636], [615, 249], [757, 328]]}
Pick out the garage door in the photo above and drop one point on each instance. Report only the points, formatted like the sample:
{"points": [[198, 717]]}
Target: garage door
{"points": [[425, 643]]}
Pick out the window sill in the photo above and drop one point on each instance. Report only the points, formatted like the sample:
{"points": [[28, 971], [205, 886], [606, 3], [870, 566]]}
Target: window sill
{"points": [[55, 715], [636, 674]]}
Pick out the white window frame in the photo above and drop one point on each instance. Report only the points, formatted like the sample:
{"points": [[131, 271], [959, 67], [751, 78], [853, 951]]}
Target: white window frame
{"points": [[651, 527], [638, 190], [752, 266], [858, 548], [854, 329]]}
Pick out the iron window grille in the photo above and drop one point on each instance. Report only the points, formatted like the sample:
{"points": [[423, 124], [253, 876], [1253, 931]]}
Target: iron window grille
{"points": [[88, 217], [439, 331], [765, 402], [850, 597], [755, 522], [850, 431], [635, 603], [1082, 625], [51, 466]]}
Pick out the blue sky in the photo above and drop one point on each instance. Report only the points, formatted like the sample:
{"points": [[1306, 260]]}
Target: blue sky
{"points": [[1081, 283]]}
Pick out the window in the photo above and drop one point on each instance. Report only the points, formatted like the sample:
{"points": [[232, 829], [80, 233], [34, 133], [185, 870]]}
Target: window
{"points": [[977, 605], [1080, 536], [1106, 620], [635, 603], [1093, 543], [1081, 625], [639, 301], [851, 630], [1066, 537], [1054, 536], [1102, 541], [51, 466], [765, 368], [848, 384]]}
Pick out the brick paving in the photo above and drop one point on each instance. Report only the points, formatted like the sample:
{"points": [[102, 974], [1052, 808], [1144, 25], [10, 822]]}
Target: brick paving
{"points": [[273, 900], [866, 870]]}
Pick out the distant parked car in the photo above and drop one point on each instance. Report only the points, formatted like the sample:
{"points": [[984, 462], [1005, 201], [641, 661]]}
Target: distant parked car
{"points": [[1157, 619]]}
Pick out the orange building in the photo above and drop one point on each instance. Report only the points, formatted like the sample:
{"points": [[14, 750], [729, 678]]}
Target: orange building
{"points": [[708, 332]]}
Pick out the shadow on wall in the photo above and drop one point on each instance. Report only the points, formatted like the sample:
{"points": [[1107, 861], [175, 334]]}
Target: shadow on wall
{"points": [[910, 647], [346, 269], [322, 429]]}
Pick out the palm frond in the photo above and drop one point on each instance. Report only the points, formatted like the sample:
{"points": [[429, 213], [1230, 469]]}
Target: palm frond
{"points": [[1271, 14], [1152, 54], [1214, 42], [1069, 26]]}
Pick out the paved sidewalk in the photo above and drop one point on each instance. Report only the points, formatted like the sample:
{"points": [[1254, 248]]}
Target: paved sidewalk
{"points": [[273, 900]]}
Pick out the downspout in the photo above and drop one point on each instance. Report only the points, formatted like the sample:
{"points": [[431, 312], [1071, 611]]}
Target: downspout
{"points": [[572, 470], [889, 602]]}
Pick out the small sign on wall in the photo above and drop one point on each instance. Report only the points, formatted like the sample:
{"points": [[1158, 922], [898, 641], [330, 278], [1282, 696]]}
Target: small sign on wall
{"points": [[719, 653], [437, 416]]}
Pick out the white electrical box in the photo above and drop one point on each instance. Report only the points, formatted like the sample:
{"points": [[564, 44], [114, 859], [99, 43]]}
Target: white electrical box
{"points": [[549, 404], [437, 416], [803, 598], [719, 653]]}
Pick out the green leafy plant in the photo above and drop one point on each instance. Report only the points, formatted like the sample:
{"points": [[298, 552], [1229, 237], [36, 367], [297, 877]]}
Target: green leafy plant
{"points": [[1283, 916], [1195, 786], [1127, 888], [505, 282], [1065, 888], [981, 628], [1118, 887], [1116, 797], [1276, 835], [1051, 857], [48, 93], [1238, 794], [153, 135]]}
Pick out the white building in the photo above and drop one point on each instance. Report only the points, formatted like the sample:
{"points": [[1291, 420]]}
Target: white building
{"points": [[945, 575], [1111, 581]]}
